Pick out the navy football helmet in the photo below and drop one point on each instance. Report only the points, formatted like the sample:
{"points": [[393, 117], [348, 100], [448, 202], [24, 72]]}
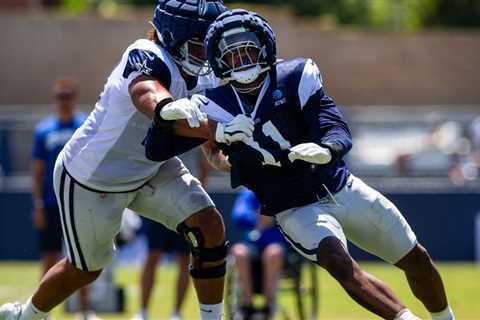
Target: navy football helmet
{"points": [[241, 45], [181, 26]]}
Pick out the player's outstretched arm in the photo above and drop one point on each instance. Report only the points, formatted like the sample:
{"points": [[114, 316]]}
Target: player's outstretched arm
{"points": [[240, 128], [151, 98], [164, 141]]}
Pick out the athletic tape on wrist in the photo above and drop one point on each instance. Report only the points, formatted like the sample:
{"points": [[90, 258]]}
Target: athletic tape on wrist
{"points": [[161, 123]]}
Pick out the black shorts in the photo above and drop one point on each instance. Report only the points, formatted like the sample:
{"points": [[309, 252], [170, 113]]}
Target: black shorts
{"points": [[50, 238], [162, 239]]}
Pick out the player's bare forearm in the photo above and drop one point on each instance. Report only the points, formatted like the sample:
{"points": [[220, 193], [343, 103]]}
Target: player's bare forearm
{"points": [[206, 130], [146, 92], [215, 156]]}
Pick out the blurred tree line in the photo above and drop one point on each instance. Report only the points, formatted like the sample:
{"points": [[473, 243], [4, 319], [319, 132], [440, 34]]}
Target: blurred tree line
{"points": [[406, 15], [389, 14]]}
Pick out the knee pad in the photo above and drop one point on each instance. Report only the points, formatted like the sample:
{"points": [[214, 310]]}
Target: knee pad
{"points": [[201, 254]]}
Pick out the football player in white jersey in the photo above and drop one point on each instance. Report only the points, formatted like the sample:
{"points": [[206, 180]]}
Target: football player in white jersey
{"points": [[103, 169]]}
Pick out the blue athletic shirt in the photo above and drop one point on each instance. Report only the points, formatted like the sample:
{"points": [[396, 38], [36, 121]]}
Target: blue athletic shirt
{"points": [[244, 217], [244, 211], [49, 138]]}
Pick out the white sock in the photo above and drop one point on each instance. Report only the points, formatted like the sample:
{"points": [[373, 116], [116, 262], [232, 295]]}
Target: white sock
{"points": [[88, 314], [30, 312], [446, 314], [144, 313], [406, 314], [175, 316], [211, 311]]}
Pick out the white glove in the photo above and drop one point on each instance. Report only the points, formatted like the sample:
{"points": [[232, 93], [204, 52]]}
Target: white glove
{"points": [[310, 152], [239, 129], [183, 109]]}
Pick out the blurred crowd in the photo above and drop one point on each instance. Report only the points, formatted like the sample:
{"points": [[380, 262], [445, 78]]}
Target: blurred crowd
{"points": [[448, 144]]}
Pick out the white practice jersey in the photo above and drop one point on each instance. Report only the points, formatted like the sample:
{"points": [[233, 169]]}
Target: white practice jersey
{"points": [[106, 152]]}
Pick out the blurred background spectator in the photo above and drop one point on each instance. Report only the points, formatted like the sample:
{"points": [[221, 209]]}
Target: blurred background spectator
{"points": [[51, 134], [474, 134], [447, 147], [258, 255]]}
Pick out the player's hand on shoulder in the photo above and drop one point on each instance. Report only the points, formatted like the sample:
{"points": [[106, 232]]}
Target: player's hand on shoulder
{"points": [[238, 129], [183, 109], [310, 152]]}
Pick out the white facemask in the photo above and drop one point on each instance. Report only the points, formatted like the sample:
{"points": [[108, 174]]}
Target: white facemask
{"points": [[192, 65]]}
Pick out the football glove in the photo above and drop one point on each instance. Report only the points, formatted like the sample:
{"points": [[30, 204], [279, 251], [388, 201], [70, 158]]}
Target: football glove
{"points": [[183, 109], [310, 152], [239, 129]]}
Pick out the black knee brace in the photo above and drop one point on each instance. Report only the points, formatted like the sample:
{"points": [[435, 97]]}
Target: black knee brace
{"points": [[201, 254]]}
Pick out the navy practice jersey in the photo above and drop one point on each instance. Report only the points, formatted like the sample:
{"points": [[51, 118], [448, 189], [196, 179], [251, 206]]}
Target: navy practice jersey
{"points": [[294, 110]]}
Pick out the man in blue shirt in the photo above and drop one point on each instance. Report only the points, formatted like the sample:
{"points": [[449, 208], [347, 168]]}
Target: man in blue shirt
{"points": [[51, 134], [261, 242]]}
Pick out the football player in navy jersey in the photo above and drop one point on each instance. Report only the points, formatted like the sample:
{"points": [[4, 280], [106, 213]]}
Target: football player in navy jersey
{"points": [[294, 164]]}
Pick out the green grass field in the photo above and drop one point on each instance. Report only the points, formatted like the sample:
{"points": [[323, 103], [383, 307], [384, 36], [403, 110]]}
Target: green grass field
{"points": [[17, 280]]}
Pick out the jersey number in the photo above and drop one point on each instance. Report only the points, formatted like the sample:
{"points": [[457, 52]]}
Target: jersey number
{"points": [[271, 131]]}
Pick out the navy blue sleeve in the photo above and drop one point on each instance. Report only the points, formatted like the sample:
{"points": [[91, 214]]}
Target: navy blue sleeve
{"points": [[326, 125], [149, 64], [162, 144]]}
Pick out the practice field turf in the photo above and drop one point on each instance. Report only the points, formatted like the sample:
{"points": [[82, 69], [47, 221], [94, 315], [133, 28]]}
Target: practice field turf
{"points": [[17, 280]]}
